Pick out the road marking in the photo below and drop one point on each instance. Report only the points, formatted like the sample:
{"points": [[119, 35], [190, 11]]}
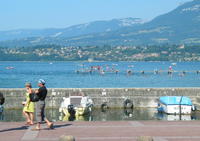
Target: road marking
{"points": [[30, 135]]}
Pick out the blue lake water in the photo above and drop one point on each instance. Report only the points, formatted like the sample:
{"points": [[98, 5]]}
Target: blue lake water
{"points": [[64, 75]]}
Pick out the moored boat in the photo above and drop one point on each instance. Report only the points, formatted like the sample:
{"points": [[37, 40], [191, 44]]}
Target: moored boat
{"points": [[173, 117], [76, 105], [175, 105]]}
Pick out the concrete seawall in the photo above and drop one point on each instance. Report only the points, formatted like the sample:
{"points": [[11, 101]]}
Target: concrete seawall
{"points": [[113, 97]]}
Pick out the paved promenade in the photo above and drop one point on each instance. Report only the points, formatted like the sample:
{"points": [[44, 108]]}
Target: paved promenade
{"points": [[104, 131]]}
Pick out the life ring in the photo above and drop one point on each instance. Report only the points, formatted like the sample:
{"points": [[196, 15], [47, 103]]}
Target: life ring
{"points": [[128, 104], [104, 107]]}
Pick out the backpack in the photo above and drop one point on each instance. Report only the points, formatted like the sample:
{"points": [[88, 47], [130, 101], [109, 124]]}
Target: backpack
{"points": [[34, 97]]}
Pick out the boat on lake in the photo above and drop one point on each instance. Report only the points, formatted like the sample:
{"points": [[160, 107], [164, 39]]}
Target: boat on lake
{"points": [[9, 68], [172, 117], [76, 105], [175, 105]]}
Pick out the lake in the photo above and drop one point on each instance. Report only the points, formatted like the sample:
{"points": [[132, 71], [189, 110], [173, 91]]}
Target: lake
{"points": [[103, 115], [100, 74]]}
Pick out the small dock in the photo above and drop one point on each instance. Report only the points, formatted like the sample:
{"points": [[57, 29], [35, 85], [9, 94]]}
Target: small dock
{"points": [[104, 131]]}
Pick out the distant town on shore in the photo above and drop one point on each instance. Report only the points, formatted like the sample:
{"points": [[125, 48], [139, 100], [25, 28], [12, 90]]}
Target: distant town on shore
{"points": [[102, 53]]}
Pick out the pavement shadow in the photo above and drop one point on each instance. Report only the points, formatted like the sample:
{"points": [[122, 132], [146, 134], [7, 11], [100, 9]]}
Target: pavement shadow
{"points": [[58, 126], [61, 125], [15, 129]]}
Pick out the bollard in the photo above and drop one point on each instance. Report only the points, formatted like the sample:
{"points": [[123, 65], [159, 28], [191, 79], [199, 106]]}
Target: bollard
{"points": [[66, 138], [144, 138]]}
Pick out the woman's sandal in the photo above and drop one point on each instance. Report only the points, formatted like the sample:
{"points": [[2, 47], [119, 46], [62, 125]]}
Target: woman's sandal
{"points": [[31, 123], [27, 123]]}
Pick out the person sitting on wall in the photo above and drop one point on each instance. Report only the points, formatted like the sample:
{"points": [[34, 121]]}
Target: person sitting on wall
{"points": [[2, 100]]}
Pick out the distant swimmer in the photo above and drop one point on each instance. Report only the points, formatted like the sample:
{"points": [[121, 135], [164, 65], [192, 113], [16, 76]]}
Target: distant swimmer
{"points": [[170, 70], [156, 71], [182, 73], [102, 72], [116, 71], [129, 72]]}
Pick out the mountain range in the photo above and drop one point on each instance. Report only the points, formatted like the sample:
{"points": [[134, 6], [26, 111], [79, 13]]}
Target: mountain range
{"points": [[180, 26]]}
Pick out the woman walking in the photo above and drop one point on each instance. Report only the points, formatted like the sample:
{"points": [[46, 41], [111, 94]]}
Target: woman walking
{"points": [[28, 109]]}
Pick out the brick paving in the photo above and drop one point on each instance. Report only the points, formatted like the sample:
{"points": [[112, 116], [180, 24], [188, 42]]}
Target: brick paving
{"points": [[104, 131]]}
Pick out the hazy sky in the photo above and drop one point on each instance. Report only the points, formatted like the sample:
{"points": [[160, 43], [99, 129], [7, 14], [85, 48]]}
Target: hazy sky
{"points": [[15, 14]]}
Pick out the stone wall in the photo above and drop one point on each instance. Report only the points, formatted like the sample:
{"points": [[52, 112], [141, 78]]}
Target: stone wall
{"points": [[113, 97]]}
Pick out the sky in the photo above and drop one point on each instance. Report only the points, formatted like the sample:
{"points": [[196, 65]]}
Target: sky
{"points": [[38, 14]]}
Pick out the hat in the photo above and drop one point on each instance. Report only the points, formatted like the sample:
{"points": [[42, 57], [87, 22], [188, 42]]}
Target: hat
{"points": [[41, 81], [28, 84]]}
